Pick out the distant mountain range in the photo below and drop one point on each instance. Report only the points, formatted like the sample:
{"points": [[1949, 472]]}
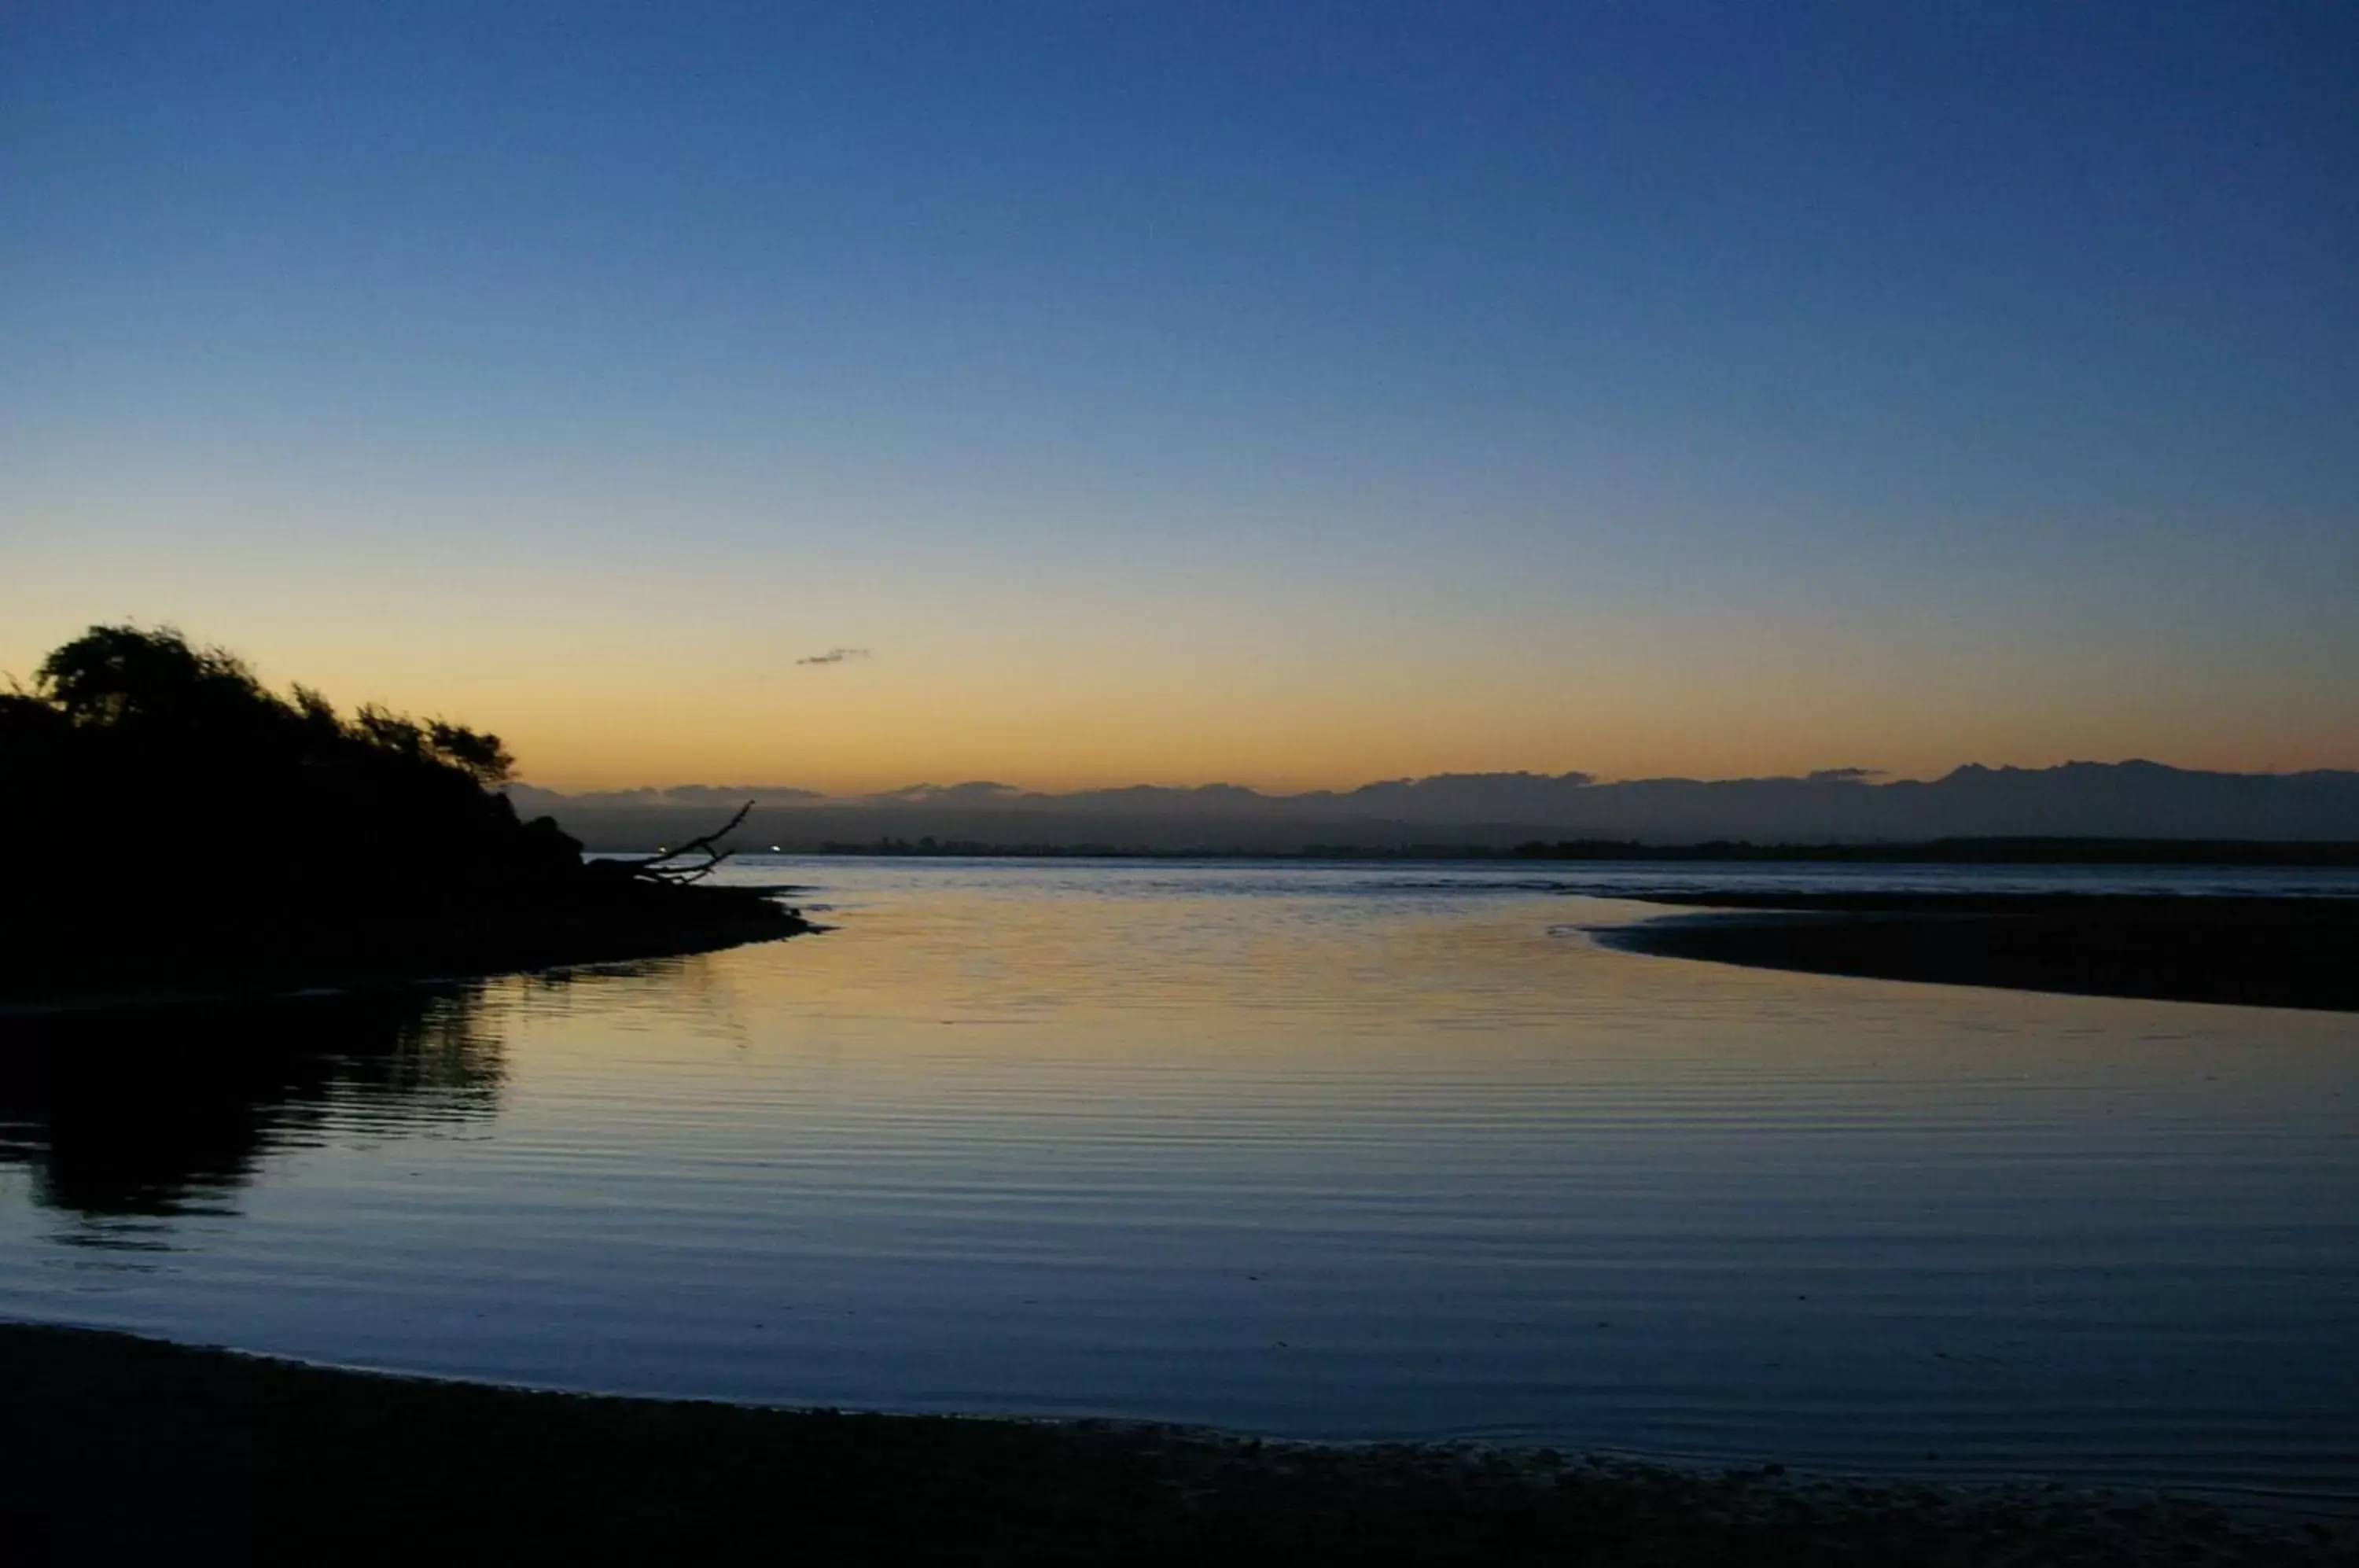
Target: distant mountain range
{"points": [[2095, 800]]}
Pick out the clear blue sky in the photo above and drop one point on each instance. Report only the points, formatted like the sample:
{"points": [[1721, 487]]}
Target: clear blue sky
{"points": [[1294, 394]]}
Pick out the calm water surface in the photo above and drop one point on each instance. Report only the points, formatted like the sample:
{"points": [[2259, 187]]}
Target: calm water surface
{"points": [[1341, 1152]]}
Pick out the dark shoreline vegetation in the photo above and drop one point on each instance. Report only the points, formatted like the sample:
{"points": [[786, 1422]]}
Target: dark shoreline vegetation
{"points": [[2251, 951], [125, 1449], [281, 846]]}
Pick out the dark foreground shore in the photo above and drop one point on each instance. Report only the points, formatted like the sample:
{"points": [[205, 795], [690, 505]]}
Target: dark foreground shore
{"points": [[2271, 953], [127, 1450], [138, 958]]}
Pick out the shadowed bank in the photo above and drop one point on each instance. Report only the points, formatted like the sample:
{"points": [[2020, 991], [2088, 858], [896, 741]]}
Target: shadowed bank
{"points": [[2252, 952], [179, 829]]}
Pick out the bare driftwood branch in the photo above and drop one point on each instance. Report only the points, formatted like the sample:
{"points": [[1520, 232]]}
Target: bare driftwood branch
{"points": [[660, 868]]}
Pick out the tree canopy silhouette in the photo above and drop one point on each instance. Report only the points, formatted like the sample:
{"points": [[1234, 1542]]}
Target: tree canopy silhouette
{"points": [[168, 806]]}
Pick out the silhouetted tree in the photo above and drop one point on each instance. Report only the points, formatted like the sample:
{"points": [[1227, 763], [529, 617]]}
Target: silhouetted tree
{"points": [[160, 797]]}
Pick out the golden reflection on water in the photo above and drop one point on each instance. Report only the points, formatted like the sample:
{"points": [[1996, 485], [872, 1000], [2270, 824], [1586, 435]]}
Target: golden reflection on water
{"points": [[1516, 989]]}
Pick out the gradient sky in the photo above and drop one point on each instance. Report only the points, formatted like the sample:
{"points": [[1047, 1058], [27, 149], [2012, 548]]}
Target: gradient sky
{"points": [[1292, 394]]}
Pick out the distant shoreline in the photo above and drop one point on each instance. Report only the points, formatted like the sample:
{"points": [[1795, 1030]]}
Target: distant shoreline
{"points": [[2324, 853], [130, 1449], [1495, 812], [2247, 951], [1997, 852]]}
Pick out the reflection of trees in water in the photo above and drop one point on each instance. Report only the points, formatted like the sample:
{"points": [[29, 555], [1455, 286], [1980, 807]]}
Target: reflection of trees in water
{"points": [[168, 1110]]}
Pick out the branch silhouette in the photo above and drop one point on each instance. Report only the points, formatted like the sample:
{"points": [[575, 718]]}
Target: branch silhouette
{"points": [[655, 868]]}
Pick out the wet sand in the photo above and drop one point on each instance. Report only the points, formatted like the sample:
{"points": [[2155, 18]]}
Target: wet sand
{"points": [[128, 1450], [2272, 953]]}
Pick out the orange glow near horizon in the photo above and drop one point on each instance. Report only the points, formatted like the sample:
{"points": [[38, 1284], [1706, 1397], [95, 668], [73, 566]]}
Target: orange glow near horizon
{"points": [[581, 712]]}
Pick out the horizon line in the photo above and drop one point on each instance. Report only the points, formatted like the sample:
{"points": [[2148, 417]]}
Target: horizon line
{"points": [[978, 789]]}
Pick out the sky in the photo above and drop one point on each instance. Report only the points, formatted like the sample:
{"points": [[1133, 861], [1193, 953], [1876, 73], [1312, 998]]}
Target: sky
{"points": [[1288, 395]]}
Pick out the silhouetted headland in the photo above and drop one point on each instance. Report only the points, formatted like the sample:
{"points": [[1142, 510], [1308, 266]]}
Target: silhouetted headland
{"points": [[176, 828], [2254, 952], [126, 1450]]}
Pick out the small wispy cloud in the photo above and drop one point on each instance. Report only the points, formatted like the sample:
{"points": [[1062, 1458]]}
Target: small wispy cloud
{"points": [[835, 656]]}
